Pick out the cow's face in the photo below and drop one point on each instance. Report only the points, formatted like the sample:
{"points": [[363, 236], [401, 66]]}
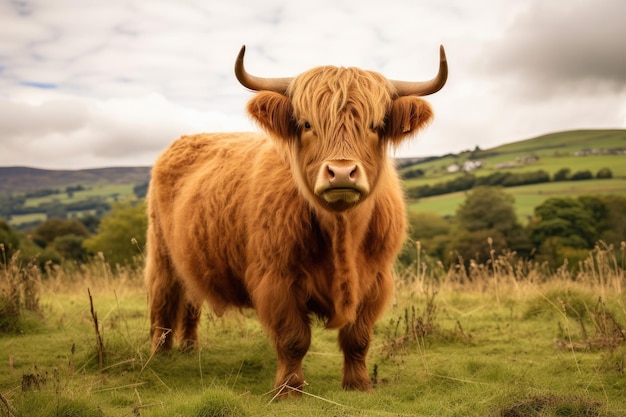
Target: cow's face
{"points": [[336, 125]]}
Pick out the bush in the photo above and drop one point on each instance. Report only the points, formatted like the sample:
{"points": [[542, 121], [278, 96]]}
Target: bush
{"points": [[476, 245], [569, 221], [414, 173], [562, 174], [604, 173], [51, 229], [70, 247], [582, 175], [19, 291], [9, 242], [431, 230], [116, 232]]}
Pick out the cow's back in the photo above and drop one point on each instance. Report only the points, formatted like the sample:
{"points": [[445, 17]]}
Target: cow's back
{"points": [[197, 200]]}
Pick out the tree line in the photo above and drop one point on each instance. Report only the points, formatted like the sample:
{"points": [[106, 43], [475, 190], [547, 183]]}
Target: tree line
{"points": [[118, 237], [484, 224], [561, 228], [15, 205], [468, 181]]}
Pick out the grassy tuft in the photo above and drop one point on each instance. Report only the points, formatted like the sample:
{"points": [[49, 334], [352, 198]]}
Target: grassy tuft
{"points": [[504, 339], [19, 293], [553, 405]]}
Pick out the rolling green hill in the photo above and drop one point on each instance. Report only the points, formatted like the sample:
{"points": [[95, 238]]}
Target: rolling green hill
{"points": [[552, 152], [527, 197], [577, 151], [29, 196], [23, 180], [585, 150]]}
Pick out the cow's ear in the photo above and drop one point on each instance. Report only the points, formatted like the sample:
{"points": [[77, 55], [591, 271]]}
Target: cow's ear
{"points": [[274, 113], [408, 114]]}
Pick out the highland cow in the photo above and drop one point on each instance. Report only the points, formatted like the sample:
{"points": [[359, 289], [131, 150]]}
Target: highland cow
{"points": [[302, 221]]}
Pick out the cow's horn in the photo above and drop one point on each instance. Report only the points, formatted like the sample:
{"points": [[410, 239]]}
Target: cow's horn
{"points": [[424, 88], [278, 85]]}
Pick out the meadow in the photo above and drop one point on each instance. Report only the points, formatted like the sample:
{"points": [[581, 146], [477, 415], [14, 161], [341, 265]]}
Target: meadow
{"points": [[527, 197], [506, 339], [109, 193], [552, 152]]}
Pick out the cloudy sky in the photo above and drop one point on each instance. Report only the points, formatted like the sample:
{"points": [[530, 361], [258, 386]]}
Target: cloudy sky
{"points": [[86, 83]]}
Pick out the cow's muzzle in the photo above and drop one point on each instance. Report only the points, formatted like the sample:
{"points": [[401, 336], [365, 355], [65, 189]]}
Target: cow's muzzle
{"points": [[341, 184]]}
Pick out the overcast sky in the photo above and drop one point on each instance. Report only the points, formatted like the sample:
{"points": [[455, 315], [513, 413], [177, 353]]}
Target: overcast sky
{"points": [[86, 83]]}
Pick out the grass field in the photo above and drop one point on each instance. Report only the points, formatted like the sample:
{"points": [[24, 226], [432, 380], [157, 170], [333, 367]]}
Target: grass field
{"points": [[108, 192], [27, 218], [555, 151], [516, 342], [527, 197]]}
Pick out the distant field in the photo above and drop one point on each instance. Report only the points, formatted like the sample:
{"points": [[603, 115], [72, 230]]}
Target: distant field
{"points": [[108, 192], [565, 142], [18, 219], [526, 197], [105, 193], [616, 163], [555, 152]]}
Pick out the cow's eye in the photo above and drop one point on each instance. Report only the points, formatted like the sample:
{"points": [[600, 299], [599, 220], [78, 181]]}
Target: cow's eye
{"points": [[307, 125]]}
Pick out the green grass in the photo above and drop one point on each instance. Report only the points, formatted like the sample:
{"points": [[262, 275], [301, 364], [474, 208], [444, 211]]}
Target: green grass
{"points": [[555, 151], [107, 192], [494, 347], [17, 219], [564, 142], [527, 197]]}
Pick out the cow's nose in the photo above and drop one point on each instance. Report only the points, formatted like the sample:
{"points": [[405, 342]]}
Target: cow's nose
{"points": [[340, 176]]}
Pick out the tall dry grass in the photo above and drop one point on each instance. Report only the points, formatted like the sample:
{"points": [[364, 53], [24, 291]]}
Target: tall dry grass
{"points": [[19, 290], [431, 316], [602, 270]]}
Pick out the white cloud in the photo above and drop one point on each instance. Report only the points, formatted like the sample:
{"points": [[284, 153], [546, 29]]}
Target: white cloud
{"points": [[124, 78], [74, 133]]}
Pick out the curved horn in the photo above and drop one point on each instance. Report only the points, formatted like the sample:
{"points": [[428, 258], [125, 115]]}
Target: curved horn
{"points": [[424, 88], [278, 85]]}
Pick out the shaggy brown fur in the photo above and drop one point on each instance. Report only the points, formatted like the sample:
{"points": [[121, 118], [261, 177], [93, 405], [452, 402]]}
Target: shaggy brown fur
{"points": [[239, 219]]}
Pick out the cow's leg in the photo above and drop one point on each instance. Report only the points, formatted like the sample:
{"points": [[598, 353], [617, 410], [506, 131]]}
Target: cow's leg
{"points": [[164, 314], [189, 332], [292, 341], [165, 295], [354, 340], [290, 330]]}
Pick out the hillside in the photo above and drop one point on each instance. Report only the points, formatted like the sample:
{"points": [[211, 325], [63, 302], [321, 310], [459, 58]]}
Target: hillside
{"points": [[576, 150], [554, 151], [23, 180], [585, 150]]}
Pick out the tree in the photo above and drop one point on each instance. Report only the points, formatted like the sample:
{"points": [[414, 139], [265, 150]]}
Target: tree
{"points": [[581, 175], [49, 230], [117, 229], [487, 208], [140, 190], [562, 174], [604, 173], [9, 241], [488, 212], [70, 247], [91, 222], [612, 227], [431, 230], [565, 219], [476, 245]]}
